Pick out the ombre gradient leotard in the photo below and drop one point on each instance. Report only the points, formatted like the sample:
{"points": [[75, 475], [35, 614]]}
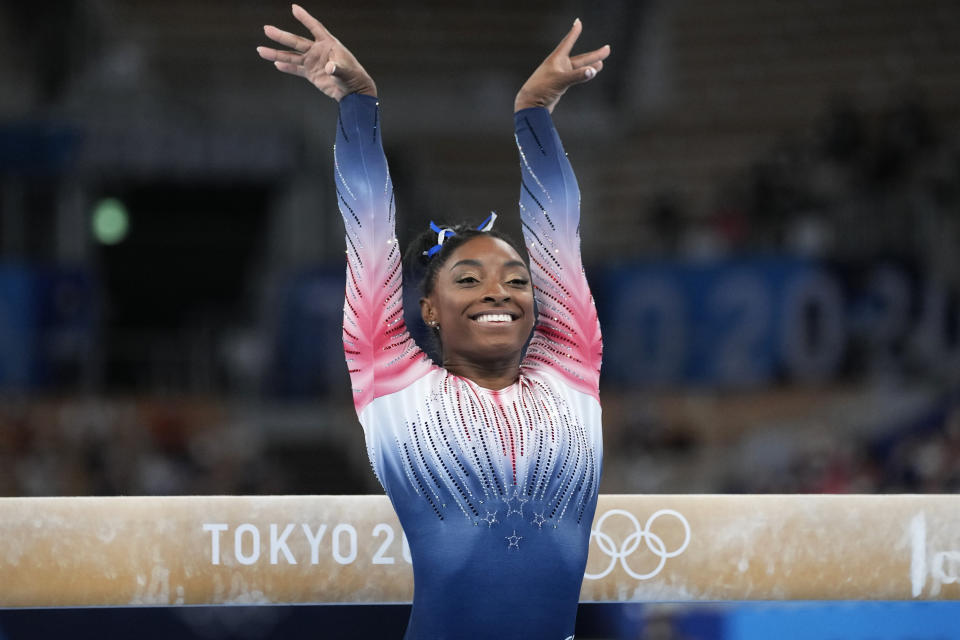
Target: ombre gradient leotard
{"points": [[495, 490]]}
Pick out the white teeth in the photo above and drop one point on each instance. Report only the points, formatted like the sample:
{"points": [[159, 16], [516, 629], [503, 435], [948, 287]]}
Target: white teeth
{"points": [[494, 317]]}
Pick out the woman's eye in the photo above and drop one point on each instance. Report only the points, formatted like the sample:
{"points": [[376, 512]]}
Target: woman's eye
{"points": [[520, 282], [467, 280]]}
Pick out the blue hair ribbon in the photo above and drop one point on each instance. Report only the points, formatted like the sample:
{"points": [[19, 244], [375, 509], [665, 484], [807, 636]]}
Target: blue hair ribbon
{"points": [[446, 232], [442, 234]]}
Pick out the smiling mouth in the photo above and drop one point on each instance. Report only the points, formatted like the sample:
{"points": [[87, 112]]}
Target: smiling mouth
{"points": [[493, 318]]}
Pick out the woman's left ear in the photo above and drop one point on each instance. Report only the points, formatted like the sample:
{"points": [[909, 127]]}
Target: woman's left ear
{"points": [[427, 312]]}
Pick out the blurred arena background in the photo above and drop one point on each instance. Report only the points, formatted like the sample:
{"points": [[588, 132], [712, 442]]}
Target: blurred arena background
{"points": [[771, 225]]}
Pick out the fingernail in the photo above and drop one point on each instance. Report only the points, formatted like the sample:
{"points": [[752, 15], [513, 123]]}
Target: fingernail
{"points": [[576, 21], [590, 72]]}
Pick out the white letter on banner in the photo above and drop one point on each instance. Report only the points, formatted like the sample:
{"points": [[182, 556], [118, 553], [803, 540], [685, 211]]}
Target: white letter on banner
{"points": [[314, 541], [280, 544], [238, 544], [918, 555], [352, 533], [215, 530], [380, 556]]}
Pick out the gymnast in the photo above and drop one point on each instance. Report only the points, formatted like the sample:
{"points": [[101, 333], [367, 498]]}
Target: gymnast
{"points": [[491, 459]]}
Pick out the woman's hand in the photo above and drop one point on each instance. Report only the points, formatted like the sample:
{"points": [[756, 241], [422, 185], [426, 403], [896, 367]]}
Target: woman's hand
{"points": [[324, 61], [559, 72]]}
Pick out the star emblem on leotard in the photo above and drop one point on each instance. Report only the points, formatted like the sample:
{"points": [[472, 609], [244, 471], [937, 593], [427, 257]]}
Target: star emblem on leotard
{"points": [[490, 519], [538, 520], [515, 503], [513, 540]]}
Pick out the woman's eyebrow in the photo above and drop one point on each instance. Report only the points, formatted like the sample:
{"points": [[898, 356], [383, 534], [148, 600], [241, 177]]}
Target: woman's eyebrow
{"points": [[468, 261], [476, 263]]}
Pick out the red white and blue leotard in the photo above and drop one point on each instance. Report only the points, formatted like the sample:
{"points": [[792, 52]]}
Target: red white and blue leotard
{"points": [[495, 490]]}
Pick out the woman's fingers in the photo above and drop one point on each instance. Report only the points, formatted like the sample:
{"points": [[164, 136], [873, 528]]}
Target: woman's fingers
{"points": [[312, 24], [591, 70], [566, 45], [580, 75], [323, 61], [274, 55], [294, 69], [287, 39], [590, 57]]}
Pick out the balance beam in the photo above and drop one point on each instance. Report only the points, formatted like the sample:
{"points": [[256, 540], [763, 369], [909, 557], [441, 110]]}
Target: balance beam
{"points": [[70, 552]]}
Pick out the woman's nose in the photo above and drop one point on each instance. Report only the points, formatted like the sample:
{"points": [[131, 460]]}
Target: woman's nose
{"points": [[496, 293]]}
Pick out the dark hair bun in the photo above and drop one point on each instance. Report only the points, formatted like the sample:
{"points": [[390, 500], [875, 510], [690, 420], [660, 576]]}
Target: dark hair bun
{"points": [[416, 253]]}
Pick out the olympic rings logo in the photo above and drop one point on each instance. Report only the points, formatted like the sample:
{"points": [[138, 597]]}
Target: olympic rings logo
{"points": [[654, 543]]}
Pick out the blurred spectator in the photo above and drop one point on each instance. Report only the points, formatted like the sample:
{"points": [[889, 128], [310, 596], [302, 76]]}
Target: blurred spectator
{"points": [[146, 447]]}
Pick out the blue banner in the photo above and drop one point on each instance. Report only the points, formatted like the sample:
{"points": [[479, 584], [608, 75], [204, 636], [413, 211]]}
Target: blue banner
{"points": [[731, 323], [48, 321], [308, 350], [18, 328]]}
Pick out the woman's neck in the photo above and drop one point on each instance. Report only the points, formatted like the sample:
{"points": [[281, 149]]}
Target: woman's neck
{"points": [[494, 376]]}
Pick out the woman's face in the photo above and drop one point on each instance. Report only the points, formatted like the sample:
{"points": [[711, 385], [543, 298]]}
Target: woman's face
{"points": [[482, 301]]}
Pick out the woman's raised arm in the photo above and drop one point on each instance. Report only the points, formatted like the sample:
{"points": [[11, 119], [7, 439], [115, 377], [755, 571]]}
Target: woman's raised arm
{"points": [[567, 339], [381, 356]]}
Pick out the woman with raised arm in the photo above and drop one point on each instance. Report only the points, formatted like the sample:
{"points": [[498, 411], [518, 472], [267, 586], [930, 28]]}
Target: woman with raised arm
{"points": [[491, 459]]}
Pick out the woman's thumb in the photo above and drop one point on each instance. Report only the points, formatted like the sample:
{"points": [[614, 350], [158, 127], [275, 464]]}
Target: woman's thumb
{"points": [[583, 75], [342, 72]]}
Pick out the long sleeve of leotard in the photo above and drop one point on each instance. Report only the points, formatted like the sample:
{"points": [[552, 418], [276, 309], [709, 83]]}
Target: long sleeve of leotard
{"points": [[567, 337], [381, 355]]}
